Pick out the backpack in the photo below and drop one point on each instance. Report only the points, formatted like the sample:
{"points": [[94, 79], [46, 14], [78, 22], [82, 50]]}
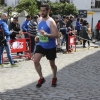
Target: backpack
{"points": [[2, 37]]}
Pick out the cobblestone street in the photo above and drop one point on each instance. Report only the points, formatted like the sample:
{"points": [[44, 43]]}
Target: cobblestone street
{"points": [[78, 78]]}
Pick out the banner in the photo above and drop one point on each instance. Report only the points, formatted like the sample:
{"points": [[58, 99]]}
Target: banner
{"points": [[18, 45]]}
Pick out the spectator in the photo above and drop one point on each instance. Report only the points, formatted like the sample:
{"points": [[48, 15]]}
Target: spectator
{"points": [[89, 33], [32, 29], [84, 33], [4, 39], [57, 22], [81, 21], [58, 40], [69, 23], [67, 17], [15, 27], [26, 24], [78, 27], [63, 30], [63, 20], [98, 30]]}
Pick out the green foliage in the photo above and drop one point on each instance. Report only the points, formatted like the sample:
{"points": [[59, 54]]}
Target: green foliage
{"points": [[32, 7], [9, 10], [63, 8], [29, 5]]}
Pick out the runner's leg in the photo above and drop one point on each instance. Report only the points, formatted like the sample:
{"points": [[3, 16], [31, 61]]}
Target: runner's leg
{"points": [[37, 58], [53, 67]]}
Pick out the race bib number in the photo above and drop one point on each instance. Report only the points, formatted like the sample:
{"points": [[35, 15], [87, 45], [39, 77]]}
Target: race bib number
{"points": [[43, 38]]}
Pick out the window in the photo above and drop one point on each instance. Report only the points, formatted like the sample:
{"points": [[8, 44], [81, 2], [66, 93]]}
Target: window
{"points": [[65, 1], [95, 3]]}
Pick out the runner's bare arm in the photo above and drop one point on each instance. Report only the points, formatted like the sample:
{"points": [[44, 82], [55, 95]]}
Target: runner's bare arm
{"points": [[54, 30]]}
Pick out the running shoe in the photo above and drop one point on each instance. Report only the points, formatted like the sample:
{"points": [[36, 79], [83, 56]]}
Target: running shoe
{"points": [[40, 82], [54, 82], [14, 65]]}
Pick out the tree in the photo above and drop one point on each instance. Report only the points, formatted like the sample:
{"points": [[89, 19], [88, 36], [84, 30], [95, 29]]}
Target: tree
{"points": [[63, 8], [9, 10], [29, 5], [32, 7]]}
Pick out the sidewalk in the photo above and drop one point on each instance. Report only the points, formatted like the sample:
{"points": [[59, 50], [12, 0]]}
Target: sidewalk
{"points": [[78, 78], [92, 46], [80, 47]]}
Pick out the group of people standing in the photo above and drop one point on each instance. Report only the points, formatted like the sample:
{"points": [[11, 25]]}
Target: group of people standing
{"points": [[5, 33], [83, 31], [65, 26]]}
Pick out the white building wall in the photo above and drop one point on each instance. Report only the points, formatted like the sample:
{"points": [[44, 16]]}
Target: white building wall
{"points": [[96, 17], [86, 5], [21, 20], [54, 0], [11, 2], [50, 0], [82, 4]]}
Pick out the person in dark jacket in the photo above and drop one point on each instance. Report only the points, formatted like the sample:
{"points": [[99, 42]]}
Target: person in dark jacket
{"points": [[69, 23], [84, 33], [63, 30], [6, 34], [63, 20], [15, 28]]}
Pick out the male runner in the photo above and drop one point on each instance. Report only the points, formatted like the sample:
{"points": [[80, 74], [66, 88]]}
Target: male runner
{"points": [[47, 32]]}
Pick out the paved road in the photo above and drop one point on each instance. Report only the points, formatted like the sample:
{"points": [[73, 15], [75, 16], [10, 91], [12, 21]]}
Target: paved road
{"points": [[78, 79]]}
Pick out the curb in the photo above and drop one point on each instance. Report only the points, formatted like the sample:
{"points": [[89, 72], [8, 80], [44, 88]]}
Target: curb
{"points": [[82, 49]]}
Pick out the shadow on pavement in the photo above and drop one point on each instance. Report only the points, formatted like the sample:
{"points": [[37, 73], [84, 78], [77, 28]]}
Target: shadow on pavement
{"points": [[76, 81]]}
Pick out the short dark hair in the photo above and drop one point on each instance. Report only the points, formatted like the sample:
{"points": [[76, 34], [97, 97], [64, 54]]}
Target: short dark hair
{"points": [[45, 5], [16, 18], [28, 16], [81, 20], [63, 24], [67, 17], [64, 16], [98, 20], [38, 14], [78, 19], [35, 16], [85, 22], [71, 17]]}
